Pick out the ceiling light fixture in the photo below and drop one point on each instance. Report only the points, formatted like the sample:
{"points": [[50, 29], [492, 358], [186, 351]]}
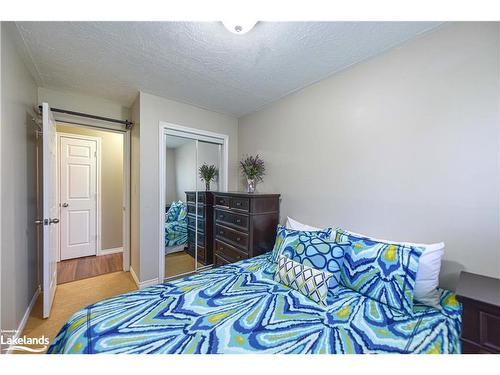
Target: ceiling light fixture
{"points": [[239, 27]]}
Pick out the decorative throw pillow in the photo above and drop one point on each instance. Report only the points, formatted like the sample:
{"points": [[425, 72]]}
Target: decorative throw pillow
{"points": [[172, 212], [310, 282], [323, 254], [288, 237], [182, 213], [381, 271]]}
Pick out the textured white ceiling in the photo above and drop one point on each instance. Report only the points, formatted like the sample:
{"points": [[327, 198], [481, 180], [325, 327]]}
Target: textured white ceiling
{"points": [[202, 63]]}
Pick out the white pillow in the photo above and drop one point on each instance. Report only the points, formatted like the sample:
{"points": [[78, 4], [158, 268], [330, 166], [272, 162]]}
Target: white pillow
{"points": [[429, 265], [295, 225]]}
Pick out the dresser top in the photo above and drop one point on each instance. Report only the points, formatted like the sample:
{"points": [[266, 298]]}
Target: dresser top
{"points": [[478, 288], [245, 194]]}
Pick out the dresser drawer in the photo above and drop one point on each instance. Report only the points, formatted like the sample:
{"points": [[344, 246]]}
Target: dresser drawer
{"points": [[228, 252], [191, 197], [201, 237], [220, 261], [191, 210], [232, 236], [202, 252], [221, 201], [242, 204], [233, 219], [192, 223], [489, 331]]}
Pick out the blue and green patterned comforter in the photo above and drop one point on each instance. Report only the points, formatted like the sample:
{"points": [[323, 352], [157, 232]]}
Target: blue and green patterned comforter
{"points": [[238, 308]]}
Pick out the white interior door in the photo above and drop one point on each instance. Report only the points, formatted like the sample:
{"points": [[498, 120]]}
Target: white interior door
{"points": [[78, 196], [50, 209]]}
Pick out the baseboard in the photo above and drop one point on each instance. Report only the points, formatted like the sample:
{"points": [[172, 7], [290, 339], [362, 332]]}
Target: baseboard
{"points": [[143, 284], [110, 251], [25, 318]]}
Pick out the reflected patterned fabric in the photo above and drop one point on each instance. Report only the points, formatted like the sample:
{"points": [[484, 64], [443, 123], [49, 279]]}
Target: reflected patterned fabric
{"points": [[176, 233], [176, 224], [289, 238], [309, 281], [239, 308], [176, 212], [381, 271]]}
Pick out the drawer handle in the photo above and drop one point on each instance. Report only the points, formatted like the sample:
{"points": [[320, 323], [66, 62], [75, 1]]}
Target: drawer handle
{"points": [[221, 232], [238, 239], [238, 221], [221, 217], [238, 203]]}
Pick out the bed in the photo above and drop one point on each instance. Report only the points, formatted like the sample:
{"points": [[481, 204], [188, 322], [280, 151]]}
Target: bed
{"points": [[239, 308], [175, 227]]}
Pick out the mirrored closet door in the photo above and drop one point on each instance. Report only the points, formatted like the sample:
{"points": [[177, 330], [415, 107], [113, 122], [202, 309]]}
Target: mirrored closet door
{"points": [[193, 171]]}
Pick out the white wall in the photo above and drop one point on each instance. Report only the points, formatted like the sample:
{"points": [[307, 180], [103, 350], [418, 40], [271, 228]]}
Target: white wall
{"points": [[404, 146], [135, 202], [185, 169], [171, 178], [19, 273], [154, 109], [83, 103]]}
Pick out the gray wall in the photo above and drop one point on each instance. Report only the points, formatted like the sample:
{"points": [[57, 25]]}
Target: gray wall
{"points": [[154, 109], [404, 146], [19, 273], [111, 183]]}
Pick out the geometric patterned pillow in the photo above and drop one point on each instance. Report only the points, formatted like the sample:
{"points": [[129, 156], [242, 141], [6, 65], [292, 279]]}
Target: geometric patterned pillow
{"points": [[319, 253], [289, 238], [173, 212], [182, 213], [310, 282], [384, 272]]}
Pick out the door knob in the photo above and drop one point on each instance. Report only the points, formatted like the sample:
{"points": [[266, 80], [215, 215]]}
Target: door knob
{"points": [[65, 204], [38, 222], [53, 221]]}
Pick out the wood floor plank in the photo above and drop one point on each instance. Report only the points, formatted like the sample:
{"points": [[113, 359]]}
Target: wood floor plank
{"points": [[82, 268]]}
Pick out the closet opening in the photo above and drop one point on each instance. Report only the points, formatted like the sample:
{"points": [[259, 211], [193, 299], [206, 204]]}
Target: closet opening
{"points": [[193, 165], [90, 199]]}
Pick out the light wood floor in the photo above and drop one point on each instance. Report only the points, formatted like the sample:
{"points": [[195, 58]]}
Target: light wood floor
{"points": [[178, 263], [73, 296], [82, 268]]}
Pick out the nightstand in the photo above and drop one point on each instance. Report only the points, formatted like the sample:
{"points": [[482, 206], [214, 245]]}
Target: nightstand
{"points": [[480, 297]]}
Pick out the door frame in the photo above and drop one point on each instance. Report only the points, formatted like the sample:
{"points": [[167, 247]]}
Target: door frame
{"points": [[196, 134], [97, 125], [98, 141]]}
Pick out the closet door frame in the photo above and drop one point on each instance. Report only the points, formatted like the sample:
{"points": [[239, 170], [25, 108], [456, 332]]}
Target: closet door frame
{"points": [[166, 128]]}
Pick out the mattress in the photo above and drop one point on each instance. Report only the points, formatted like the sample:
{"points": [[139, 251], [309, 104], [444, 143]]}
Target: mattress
{"points": [[239, 308]]}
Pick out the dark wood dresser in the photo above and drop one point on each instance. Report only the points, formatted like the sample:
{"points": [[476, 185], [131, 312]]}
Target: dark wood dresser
{"points": [[244, 225], [480, 297], [204, 215]]}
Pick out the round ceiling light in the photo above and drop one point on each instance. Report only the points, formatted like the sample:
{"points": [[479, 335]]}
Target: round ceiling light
{"points": [[239, 27]]}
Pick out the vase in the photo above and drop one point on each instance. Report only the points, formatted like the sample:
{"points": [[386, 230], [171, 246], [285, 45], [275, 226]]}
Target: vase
{"points": [[207, 186], [251, 185]]}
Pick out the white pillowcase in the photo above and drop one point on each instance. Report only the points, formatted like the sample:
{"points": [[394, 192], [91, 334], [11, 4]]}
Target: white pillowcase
{"points": [[295, 225], [429, 267]]}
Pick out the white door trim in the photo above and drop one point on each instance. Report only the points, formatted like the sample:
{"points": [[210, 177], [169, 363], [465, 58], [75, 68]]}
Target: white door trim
{"points": [[98, 183], [162, 157]]}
